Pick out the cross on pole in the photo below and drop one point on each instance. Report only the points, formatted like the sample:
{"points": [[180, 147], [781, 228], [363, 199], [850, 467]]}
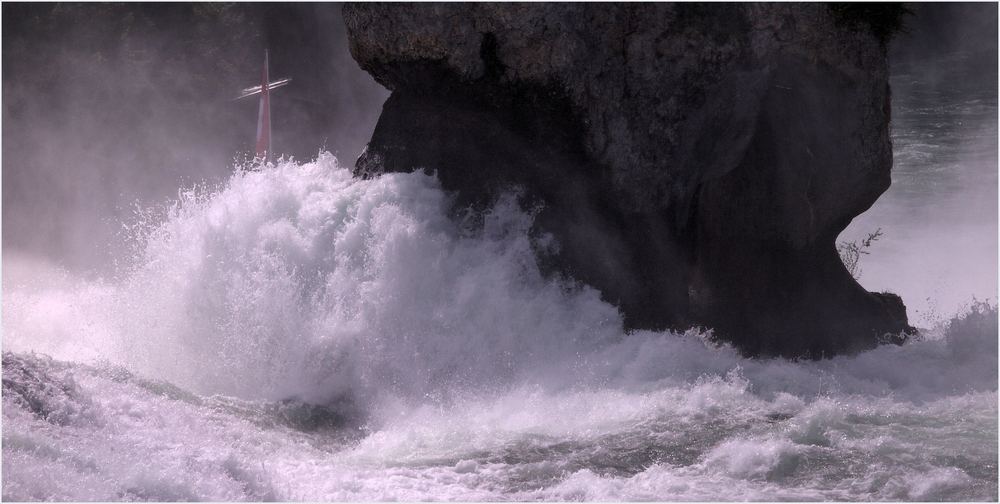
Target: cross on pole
{"points": [[263, 144]]}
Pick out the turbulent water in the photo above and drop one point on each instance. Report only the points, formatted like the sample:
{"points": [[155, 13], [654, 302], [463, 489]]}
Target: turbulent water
{"points": [[297, 334]]}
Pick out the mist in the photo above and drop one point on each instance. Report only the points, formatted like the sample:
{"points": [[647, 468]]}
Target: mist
{"points": [[178, 328], [939, 217], [108, 109]]}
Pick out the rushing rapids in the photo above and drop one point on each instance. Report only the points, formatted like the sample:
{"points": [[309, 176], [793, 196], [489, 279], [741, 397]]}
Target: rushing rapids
{"points": [[297, 333], [302, 334]]}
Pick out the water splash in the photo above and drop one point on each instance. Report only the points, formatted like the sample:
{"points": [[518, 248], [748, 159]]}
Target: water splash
{"points": [[475, 376]]}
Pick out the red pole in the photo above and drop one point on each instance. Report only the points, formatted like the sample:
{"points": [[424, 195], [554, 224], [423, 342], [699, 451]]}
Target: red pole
{"points": [[264, 115]]}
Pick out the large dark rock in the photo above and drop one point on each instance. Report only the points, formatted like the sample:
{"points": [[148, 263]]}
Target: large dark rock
{"points": [[695, 162]]}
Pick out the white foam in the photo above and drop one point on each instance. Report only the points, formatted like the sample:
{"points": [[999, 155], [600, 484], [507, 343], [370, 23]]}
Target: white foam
{"points": [[478, 377], [300, 280]]}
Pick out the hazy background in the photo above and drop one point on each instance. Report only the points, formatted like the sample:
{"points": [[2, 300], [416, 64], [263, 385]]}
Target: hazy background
{"points": [[939, 217], [106, 105], [107, 108]]}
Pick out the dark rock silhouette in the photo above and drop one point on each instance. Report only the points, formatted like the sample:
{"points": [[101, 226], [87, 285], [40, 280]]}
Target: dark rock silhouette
{"points": [[695, 162]]}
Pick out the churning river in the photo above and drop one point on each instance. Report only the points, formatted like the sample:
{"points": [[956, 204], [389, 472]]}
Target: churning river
{"points": [[297, 334]]}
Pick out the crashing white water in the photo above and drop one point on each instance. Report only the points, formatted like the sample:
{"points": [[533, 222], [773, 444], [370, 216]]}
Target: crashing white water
{"points": [[299, 334]]}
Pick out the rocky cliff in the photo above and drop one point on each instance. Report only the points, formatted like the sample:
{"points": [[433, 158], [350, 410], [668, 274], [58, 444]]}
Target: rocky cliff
{"points": [[695, 162]]}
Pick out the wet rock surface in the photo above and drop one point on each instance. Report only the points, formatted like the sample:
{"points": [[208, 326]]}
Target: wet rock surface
{"points": [[695, 162]]}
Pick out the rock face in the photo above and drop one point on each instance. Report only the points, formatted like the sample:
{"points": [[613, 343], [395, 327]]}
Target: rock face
{"points": [[695, 162]]}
